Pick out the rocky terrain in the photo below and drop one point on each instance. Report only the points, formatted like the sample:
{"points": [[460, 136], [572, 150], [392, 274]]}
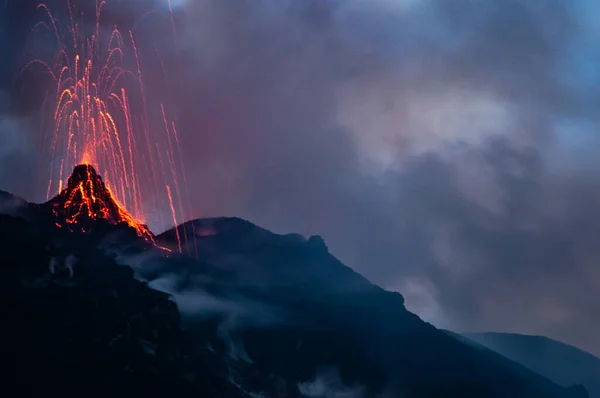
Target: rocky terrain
{"points": [[240, 312]]}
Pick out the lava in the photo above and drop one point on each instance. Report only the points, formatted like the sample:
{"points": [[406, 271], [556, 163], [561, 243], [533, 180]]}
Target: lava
{"points": [[87, 200], [100, 115]]}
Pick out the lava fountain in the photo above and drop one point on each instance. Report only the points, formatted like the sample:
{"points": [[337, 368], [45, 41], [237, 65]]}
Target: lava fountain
{"points": [[86, 199], [99, 116]]}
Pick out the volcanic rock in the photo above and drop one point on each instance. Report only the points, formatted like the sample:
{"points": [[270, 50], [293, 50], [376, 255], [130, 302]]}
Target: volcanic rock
{"points": [[87, 203], [262, 315]]}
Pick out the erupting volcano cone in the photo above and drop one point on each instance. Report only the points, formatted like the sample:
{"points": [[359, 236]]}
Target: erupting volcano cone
{"points": [[87, 200]]}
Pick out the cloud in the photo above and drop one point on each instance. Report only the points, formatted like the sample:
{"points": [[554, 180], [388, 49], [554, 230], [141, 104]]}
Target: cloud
{"points": [[328, 384], [16, 166], [420, 138], [443, 149]]}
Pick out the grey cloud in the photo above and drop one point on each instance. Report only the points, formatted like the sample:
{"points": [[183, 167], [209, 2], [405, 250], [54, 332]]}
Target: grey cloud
{"points": [[430, 142], [419, 140], [16, 161]]}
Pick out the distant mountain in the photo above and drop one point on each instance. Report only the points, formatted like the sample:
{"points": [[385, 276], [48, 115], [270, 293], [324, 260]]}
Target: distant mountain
{"points": [[559, 362], [240, 312], [10, 204]]}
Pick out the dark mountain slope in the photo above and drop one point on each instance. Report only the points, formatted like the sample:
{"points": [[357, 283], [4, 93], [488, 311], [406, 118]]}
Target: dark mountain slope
{"points": [[87, 328], [256, 314], [559, 362], [10, 204], [333, 316]]}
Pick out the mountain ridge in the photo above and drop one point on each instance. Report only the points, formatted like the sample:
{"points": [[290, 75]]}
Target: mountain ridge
{"points": [[272, 311], [560, 362], [228, 235]]}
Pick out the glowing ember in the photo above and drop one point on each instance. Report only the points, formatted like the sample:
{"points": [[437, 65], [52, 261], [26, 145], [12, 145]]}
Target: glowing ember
{"points": [[86, 200], [99, 115]]}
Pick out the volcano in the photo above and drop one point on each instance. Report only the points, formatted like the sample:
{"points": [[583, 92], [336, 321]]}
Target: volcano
{"points": [[87, 202], [255, 313]]}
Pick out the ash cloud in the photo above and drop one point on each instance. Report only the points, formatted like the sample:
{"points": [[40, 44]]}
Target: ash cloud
{"points": [[17, 154], [446, 150], [435, 145]]}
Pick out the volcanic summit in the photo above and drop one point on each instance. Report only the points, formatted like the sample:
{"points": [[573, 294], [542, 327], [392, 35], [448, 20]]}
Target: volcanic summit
{"points": [[87, 200]]}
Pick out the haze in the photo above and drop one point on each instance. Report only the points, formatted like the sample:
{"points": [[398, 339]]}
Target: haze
{"points": [[446, 150]]}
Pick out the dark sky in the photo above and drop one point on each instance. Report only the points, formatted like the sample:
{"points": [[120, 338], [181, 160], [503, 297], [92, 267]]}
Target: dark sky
{"points": [[446, 150]]}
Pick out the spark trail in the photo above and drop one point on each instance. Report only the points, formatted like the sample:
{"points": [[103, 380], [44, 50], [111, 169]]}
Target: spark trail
{"points": [[100, 116]]}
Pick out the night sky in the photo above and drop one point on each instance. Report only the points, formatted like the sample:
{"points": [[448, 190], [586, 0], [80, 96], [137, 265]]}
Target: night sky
{"points": [[444, 149]]}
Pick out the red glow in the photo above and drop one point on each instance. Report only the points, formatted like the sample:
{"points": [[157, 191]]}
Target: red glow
{"points": [[100, 117], [174, 218], [86, 200]]}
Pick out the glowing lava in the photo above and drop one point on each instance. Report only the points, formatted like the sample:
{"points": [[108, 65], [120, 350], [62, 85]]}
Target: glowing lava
{"points": [[87, 200], [97, 113]]}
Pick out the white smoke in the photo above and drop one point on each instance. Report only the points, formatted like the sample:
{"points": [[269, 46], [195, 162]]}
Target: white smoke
{"points": [[237, 312], [68, 263], [53, 264], [328, 384]]}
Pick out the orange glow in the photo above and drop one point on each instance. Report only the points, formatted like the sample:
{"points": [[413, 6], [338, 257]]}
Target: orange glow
{"points": [[85, 159], [174, 219], [100, 117], [86, 199]]}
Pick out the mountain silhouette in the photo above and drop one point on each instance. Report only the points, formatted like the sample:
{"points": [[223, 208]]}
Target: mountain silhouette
{"points": [[242, 312], [559, 362]]}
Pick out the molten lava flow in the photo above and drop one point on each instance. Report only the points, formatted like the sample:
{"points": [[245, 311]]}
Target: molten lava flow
{"points": [[99, 115], [86, 200]]}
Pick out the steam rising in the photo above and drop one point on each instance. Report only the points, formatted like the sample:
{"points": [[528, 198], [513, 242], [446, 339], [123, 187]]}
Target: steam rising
{"points": [[327, 384]]}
